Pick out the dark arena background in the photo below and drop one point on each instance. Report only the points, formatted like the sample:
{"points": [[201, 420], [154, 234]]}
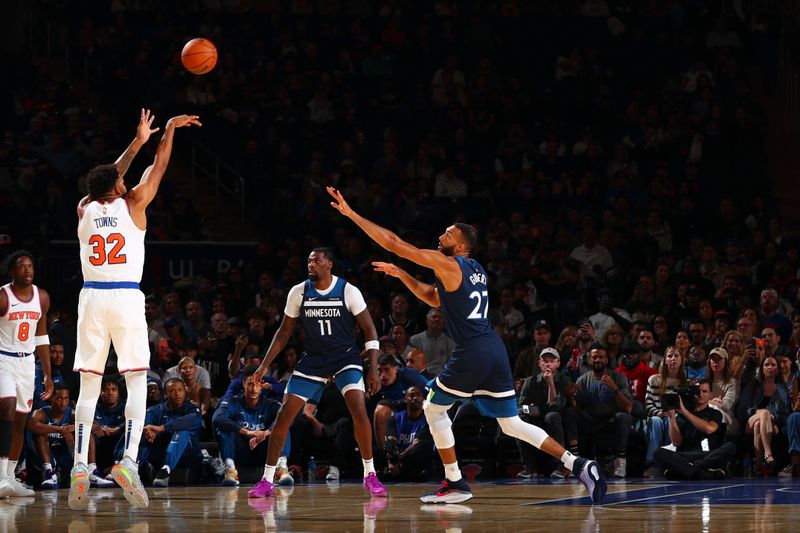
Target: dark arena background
{"points": [[630, 166]]}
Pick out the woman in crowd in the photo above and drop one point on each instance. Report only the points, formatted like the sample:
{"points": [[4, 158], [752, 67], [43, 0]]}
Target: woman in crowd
{"points": [[671, 374], [724, 388]]}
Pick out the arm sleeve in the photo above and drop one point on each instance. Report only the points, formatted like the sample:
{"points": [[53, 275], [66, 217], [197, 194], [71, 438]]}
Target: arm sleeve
{"points": [[354, 299], [222, 418], [294, 300]]}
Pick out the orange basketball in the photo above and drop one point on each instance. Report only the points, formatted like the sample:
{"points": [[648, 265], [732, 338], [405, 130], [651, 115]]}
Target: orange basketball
{"points": [[199, 56]]}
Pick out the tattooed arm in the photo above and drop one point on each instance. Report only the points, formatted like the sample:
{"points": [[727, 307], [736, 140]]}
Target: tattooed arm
{"points": [[143, 133]]}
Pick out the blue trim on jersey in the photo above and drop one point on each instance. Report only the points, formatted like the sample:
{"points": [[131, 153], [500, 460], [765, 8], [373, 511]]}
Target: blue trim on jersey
{"points": [[328, 325], [107, 285], [15, 354], [466, 309], [309, 389]]}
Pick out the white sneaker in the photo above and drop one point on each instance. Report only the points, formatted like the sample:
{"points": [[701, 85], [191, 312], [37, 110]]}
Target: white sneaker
{"points": [[50, 480], [98, 480], [333, 474], [20, 490], [620, 467], [6, 489]]}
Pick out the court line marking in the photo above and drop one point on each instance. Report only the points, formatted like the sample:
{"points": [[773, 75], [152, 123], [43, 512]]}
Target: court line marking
{"points": [[568, 498], [673, 494]]}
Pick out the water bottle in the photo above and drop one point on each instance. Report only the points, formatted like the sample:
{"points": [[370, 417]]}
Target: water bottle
{"points": [[312, 469]]}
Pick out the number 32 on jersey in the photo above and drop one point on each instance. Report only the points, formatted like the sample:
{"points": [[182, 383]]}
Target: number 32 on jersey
{"points": [[107, 250]]}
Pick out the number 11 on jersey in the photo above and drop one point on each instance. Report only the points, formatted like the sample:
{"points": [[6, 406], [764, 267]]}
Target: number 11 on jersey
{"points": [[324, 327]]}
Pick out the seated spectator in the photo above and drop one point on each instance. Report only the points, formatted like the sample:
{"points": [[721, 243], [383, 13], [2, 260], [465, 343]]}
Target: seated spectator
{"points": [[671, 375], [604, 402], [612, 339], [436, 345], [395, 380], [196, 392], [698, 435], [543, 402], [638, 373], [400, 337], [109, 422], [793, 433], [647, 342], [188, 350], [52, 430], [762, 411], [725, 389], [696, 363], [269, 384], [418, 361], [577, 366], [284, 364], [153, 392], [242, 427], [171, 434], [744, 370], [409, 443], [526, 364], [56, 362]]}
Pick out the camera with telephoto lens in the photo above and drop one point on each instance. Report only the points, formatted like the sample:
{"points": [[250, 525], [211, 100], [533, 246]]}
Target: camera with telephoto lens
{"points": [[687, 393]]}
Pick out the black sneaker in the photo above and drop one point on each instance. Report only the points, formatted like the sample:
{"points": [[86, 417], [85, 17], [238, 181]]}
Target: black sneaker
{"points": [[449, 492], [162, 478], [589, 473]]}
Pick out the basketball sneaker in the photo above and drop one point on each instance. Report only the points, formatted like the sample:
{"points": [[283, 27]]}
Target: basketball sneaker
{"points": [[449, 492], [79, 484], [50, 480], [588, 472], [99, 480], [231, 478], [333, 474], [283, 477], [19, 489], [262, 489], [374, 485], [126, 474]]}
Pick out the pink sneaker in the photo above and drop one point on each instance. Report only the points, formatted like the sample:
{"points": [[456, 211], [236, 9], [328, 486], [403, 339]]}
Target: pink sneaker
{"points": [[262, 489], [373, 484]]}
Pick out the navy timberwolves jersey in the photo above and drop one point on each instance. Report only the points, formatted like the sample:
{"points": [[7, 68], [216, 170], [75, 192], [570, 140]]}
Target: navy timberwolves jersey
{"points": [[466, 309], [327, 323], [55, 438]]}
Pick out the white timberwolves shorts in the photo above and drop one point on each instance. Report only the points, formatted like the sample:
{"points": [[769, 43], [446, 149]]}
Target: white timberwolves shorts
{"points": [[108, 316], [17, 375]]}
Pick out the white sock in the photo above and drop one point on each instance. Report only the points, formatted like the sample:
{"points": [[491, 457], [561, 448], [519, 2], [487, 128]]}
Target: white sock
{"points": [[452, 472], [229, 464], [568, 459], [12, 467], [47, 466], [3, 468], [269, 472], [369, 466]]}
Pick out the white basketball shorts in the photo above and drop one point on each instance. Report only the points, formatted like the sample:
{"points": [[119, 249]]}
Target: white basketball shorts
{"points": [[17, 375], [108, 316]]}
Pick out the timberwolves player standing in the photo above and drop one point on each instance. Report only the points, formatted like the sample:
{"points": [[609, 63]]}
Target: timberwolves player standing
{"points": [[327, 307], [479, 365]]}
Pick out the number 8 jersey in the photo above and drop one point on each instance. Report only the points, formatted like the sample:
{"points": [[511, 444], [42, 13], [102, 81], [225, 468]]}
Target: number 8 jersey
{"points": [[18, 323], [112, 246]]}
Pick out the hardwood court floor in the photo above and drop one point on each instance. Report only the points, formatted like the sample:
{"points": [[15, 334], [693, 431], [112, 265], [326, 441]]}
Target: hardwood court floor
{"points": [[736, 505]]}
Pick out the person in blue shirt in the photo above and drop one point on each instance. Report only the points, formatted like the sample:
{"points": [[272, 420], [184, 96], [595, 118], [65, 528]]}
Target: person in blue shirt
{"points": [[409, 444], [270, 385], [56, 362], [109, 421], [479, 366], [52, 432], [171, 433], [395, 380], [242, 426]]}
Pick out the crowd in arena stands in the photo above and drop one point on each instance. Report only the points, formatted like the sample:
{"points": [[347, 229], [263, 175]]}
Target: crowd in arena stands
{"points": [[610, 153]]}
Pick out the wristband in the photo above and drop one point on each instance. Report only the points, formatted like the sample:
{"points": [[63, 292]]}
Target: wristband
{"points": [[41, 340], [372, 345]]}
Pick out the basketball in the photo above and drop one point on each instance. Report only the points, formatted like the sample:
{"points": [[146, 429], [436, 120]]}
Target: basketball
{"points": [[199, 56]]}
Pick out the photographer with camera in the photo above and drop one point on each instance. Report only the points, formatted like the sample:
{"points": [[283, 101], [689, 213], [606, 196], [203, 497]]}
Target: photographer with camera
{"points": [[543, 402], [671, 375], [408, 442], [604, 401], [697, 433]]}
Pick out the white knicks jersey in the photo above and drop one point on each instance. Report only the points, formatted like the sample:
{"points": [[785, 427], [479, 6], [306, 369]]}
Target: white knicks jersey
{"points": [[112, 247], [18, 323]]}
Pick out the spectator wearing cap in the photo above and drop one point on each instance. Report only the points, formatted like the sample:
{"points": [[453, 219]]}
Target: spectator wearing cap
{"points": [[722, 324], [436, 345], [724, 388], [607, 314], [544, 402], [153, 391], [638, 372], [527, 360], [604, 403]]}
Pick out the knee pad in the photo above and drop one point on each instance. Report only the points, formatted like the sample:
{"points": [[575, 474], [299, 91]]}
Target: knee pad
{"points": [[440, 425], [515, 427]]}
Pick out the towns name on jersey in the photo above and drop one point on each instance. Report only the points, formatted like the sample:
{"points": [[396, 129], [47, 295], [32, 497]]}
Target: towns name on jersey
{"points": [[24, 315], [105, 222]]}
